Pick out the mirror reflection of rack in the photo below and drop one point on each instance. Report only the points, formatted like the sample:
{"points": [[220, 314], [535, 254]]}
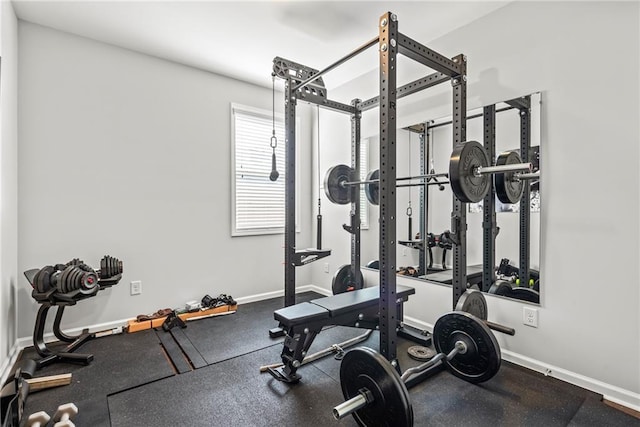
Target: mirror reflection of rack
{"points": [[426, 146]]}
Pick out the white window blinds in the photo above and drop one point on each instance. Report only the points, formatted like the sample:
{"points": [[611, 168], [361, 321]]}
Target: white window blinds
{"points": [[258, 202]]}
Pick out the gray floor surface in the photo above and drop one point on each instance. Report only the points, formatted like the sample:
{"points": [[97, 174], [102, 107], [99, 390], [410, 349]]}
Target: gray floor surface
{"points": [[132, 382]]}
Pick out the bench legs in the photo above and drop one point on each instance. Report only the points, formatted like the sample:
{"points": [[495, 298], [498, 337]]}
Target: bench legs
{"points": [[296, 346]]}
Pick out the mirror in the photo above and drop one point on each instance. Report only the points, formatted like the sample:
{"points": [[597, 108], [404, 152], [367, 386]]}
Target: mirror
{"points": [[431, 258]]}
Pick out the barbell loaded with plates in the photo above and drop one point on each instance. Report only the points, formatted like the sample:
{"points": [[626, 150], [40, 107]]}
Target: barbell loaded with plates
{"points": [[469, 172], [377, 395], [340, 182]]}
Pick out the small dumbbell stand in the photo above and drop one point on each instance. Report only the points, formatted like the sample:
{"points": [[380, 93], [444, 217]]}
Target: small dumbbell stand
{"points": [[54, 297]]}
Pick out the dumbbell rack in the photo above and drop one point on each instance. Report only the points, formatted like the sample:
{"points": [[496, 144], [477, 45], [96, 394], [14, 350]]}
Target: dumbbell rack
{"points": [[53, 298]]}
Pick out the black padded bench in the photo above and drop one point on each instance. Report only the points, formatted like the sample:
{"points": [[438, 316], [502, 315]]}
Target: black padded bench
{"points": [[302, 322]]}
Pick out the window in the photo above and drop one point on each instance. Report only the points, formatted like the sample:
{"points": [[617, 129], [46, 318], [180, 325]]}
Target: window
{"points": [[257, 202], [364, 171]]}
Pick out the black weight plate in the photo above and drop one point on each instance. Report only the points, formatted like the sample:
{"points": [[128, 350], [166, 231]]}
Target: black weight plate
{"points": [[72, 281], [375, 264], [525, 294], [420, 353], [472, 301], [77, 279], [103, 267], [343, 280], [62, 281], [119, 266], [536, 285], [464, 159], [501, 287], [45, 277], [363, 367], [36, 282], [481, 361], [372, 190], [110, 266], [508, 190], [333, 188]]}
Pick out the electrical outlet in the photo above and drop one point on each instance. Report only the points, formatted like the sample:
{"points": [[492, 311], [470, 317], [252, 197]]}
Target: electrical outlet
{"points": [[136, 287], [530, 316], [326, 267], [404, 251]]}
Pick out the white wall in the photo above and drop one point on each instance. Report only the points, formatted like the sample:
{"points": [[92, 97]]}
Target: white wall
{"points": [[8, 182], [583, 56], [129, 155]]}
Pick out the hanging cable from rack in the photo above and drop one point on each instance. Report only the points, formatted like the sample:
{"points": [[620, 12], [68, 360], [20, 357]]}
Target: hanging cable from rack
{"points": [[273, 143], [319, 216]]}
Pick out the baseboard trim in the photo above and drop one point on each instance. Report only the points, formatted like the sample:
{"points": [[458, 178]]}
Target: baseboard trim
{"points": [[49, 337], [609, 392], [280, 293]]}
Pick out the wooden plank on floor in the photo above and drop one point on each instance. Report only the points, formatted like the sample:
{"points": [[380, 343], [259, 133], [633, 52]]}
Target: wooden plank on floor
{"points": [[622, 408], [174, 352]]}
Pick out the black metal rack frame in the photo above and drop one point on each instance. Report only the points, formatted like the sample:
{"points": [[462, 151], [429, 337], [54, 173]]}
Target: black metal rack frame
{"points": [[304, 83]]}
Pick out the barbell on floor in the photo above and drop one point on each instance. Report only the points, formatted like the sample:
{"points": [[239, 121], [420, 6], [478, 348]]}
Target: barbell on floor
{"points": [[377, 395]]}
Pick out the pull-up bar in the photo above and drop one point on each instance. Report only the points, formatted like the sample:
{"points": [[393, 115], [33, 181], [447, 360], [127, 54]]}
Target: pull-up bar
{"points": [[340, 61]]}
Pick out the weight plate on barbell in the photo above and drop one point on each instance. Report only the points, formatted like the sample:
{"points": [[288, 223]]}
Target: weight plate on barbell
{"points": [[481, 361], [334, 186], [420, 353], [364, 368], [501, 287], [508, 189], [372, 189], [375, 264], [472, 301], [343, 280], [525, 294], [468, 187]]}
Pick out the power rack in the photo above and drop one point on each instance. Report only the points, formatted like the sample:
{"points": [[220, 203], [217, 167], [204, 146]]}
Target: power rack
{"points": [[305, 83]]}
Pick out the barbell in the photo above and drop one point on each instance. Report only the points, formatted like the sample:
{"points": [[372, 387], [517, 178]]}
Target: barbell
{"points": [[340, 181], [469, 175], [377, 395]]}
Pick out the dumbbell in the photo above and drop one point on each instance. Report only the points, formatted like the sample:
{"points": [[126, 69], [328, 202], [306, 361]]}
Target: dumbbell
{"points": [[38, 419], [109, 267], [63, 415], [377, 395]]}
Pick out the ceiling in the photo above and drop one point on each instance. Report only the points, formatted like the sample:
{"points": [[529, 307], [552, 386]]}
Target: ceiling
{"points": [[240, 38]]}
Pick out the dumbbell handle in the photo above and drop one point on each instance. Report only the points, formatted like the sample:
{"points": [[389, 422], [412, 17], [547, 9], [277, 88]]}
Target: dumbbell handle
{"points": [[363, 398]]}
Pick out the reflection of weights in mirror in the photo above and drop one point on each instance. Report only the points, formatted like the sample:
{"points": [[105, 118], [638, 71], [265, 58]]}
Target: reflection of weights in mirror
{"points": [[373, 264], [377, 395], [344, 280], [469, 173]]}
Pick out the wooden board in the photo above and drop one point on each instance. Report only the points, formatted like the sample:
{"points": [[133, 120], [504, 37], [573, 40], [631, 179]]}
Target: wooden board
{"points": [[135, 326], [42, 383]]}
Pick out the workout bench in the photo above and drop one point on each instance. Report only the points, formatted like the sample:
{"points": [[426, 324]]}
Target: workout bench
{"points": [[359, 308]]}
